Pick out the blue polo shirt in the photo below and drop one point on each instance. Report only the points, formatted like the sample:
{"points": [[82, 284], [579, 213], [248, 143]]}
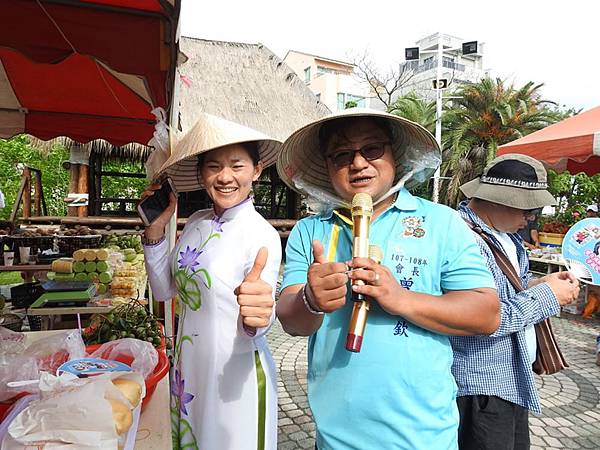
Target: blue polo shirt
{"points": [[398, 392]]}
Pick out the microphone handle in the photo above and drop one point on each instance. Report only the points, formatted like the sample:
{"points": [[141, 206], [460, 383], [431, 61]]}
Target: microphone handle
{"points": [[361, 304]]}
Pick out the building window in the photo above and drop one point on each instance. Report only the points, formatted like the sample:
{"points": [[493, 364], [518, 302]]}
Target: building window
{"points": [[307, 75], [343, 99], [322, 69]]}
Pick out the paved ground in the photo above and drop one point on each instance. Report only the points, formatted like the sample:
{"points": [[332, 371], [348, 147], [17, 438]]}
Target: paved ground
{"points": [[571, 399]]}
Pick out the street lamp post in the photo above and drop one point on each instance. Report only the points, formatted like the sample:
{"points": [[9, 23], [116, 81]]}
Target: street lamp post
{"points": [[413, 53], [438, 116]]}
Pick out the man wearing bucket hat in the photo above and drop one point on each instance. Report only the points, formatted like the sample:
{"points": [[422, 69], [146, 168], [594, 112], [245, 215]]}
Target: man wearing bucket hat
{"points": [[223, 269], [397, 392], [496, 387]]}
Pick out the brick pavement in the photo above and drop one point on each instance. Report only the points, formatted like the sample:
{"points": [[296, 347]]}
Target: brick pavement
{"points": [[571, 399]]}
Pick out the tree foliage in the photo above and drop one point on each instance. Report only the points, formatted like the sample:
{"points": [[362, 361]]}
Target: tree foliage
{"points": [[482, 117], [415, 109], [16, 153]]}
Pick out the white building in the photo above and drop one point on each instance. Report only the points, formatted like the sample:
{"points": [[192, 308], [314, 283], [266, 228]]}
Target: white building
{"points": [[457, 68], [333, 82]]}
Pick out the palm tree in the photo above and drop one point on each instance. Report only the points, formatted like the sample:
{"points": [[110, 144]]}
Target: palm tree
{"points": [[482, 117], [416, 109]]}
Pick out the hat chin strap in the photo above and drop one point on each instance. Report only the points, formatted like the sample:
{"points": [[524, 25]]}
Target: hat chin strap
{"points": [[395, 188], [320, 201]]}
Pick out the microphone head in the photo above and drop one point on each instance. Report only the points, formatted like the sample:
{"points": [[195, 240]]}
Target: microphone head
{"points": [[362, 204], [375, 253]]}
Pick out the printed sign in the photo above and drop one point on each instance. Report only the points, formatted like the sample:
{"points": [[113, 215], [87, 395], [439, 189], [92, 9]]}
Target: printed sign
{"points": [[581, 250]]}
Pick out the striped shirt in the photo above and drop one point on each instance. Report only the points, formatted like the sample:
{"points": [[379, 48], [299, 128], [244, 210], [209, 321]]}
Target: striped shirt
{"points": [[498, 364]]}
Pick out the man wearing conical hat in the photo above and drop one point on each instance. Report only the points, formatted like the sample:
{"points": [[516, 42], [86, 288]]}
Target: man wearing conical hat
{"points": [[223, 269], [398, 391], [496, 386]]}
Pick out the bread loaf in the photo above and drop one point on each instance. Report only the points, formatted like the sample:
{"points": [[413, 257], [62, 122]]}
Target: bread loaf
{"points": [[121, 416], [130, 389]]}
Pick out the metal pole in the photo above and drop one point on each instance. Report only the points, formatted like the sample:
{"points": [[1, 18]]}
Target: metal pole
{"points": [[438, 116]]}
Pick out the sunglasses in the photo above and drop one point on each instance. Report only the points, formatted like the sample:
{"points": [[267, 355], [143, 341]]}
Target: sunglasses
{"points": [[370, 152]]}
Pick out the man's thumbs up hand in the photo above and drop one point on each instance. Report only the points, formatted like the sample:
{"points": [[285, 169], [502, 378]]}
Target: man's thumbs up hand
{"points": [[326, 289], [255, 296]]}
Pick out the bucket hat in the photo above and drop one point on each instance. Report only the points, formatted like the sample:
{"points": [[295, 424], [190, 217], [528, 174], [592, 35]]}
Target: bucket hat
{"points": [[302, 166], [209, 133], [518, 181], [593, 208]]}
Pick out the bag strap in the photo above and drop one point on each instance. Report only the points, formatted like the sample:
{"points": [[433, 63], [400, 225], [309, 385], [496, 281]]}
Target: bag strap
{"points": [[501, 259]]}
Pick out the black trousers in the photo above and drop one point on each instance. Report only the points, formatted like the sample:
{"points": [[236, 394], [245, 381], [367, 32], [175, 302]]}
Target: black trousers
{"points": [[490, 423]]}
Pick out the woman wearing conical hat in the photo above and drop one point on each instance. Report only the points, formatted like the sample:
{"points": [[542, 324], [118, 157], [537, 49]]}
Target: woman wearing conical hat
{"points": [[223, 269]]}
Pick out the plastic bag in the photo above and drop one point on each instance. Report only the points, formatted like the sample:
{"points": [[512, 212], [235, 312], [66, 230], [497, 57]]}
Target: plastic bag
{"points": [[13, 365], [160, 142], [141, 356], [71, 413], [54, 350], [16, 368]]}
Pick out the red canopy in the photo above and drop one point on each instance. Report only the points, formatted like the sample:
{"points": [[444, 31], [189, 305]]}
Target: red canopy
{"points": [[572, 144], [86, 69]]}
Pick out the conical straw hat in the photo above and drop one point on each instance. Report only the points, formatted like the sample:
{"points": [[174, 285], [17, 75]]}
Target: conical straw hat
{"points": [[302, 166], [209, 133]]}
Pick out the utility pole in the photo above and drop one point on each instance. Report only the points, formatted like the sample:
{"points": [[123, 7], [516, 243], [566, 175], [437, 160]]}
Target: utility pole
{"points": [[438, 116]]}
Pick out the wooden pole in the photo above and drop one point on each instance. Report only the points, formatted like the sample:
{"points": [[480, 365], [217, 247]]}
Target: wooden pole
{"points": [[38, 194], [27, 194], [73, 186], [82, 188]]}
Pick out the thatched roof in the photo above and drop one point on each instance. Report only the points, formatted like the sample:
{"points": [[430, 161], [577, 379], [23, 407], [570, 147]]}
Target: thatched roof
{"points": [[244, 83], [130, 152]]}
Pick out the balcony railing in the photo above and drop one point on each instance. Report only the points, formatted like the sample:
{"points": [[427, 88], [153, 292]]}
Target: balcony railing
{"points": [[432, 64]]}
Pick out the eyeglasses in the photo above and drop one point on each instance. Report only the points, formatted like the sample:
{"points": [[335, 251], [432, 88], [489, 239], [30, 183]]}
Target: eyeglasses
{"points": [[370, 152], [531, 212]]}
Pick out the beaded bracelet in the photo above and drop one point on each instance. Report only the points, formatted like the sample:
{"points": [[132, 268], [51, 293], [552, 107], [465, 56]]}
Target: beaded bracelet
{"points": [[152, 243], [307, 304]]}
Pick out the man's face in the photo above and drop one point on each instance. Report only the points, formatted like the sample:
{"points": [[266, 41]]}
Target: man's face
{"points": [[591, 213], [374, 177], [507, 219]]}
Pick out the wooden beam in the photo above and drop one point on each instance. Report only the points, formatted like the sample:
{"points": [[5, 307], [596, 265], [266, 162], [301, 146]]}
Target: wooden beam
{"points": [[82, 188], [73, 186], [27, 193]]}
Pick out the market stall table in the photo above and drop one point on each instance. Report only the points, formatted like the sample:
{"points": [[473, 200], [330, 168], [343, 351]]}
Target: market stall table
{"points": [[154, 430], [49, 314], [27, 269], [550, 262]]}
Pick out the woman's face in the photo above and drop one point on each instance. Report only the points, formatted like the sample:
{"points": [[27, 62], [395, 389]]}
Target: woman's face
{"points": [[227, 174]]}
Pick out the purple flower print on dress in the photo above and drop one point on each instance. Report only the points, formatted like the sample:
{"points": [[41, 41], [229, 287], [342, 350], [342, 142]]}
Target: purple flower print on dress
{"points": [[217, 223], [178, 389], [189, 258]]}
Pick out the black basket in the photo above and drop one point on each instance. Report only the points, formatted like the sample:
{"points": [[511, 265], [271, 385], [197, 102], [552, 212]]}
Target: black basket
{"points": [[23, 295], [35, 323], [68, 244], [37, 243]]}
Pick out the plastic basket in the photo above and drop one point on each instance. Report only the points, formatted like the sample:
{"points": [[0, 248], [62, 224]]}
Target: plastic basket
{"points": [[37, 243], [68, 244], [23, 295], [35, 323]]}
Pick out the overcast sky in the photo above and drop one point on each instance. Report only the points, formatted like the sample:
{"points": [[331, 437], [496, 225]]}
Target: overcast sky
{"points": [[550, 42]]}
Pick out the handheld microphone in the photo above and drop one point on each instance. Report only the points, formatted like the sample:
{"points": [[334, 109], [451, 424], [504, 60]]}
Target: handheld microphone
{"points": [[362, 211]]}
